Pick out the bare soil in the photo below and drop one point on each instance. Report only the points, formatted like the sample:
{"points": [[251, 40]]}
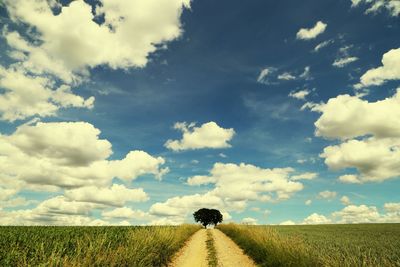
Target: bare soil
{"points": [[194, 253]]}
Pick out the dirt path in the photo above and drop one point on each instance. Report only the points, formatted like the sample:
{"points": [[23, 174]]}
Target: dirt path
{"points": [[229, 254], [194, 253]]}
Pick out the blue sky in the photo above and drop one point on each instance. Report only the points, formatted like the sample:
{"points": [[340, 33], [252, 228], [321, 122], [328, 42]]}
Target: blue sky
{"points": [[118, 112]]}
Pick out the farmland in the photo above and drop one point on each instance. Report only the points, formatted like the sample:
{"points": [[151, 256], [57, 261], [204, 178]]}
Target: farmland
{"points": [[91, 246], [319, 245], [302, 245]]}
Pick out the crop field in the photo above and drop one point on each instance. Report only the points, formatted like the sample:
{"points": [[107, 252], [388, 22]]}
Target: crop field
{"points": [[91, 246], [319, 245]]}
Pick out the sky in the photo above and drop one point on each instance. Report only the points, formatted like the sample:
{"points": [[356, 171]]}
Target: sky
{"points": [[117, 112]]}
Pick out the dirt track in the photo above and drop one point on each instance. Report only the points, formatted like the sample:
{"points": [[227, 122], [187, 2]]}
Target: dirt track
{"points": [[194, 253]]}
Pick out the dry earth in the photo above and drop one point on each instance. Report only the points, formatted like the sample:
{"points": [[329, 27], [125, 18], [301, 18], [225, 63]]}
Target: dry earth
{"points": [[194, 253]]}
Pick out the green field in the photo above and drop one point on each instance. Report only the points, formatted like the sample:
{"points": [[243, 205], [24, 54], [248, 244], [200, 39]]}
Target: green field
{"points": [[306, 245], [91, 246], [319, 245]]}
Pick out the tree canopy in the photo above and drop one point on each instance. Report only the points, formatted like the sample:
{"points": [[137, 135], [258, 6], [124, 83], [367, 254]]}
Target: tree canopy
{"points": [[208, 216]]}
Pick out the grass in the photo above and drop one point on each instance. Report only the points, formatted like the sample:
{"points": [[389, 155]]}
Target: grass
{"points": [[91, 246], [319, 245], [212, 253]]}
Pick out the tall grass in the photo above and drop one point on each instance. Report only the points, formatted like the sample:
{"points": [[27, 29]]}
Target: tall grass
{"points": [[319, 245], [268, 248], [212, 252], [91, 246]]}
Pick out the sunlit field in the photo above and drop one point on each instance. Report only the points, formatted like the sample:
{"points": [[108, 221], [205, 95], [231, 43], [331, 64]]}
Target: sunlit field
{"points": [[319, 245], [91, 246]]}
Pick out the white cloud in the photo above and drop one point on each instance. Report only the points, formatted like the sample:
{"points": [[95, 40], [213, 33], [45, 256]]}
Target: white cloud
{"points": [[28, 95], [392, 207], [208, 135], [307, 34], [306, 75], [249, 221], [345, 200], [316, 218], [393, 6], [125, 213], [245, 182], [308, 202], [376, 159], [7, 193], [48, 52], [182, 205], [54, 211], [327, 194], [46, 156], [370, 135], [390, 70], [288, 222], [341, 62], [263, 76], [357, 214], [322, 45], [305, 176], [286, 76], [234, 186], [349, 179], [179, 209], [116, 195], [145, 24], [301, 95], [349, 116]]}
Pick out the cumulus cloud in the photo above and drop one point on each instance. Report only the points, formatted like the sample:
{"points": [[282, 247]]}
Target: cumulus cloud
{"points": [[357, 214], [390, 70], [316, 218], [305, 176], [342, 62], [349, 179], [54, 211], [6, 193], [308, 202], [393, 6], [327, 194], [26, 95], [345, 200], [301, 95], [248, 182], [179, 209], [116, 195], [348, 116], [288, 222], [208, 135], [45, 156], [48, 61], [311, 33], [135, 27], [234, 186], [125, 213], [369, 133]]}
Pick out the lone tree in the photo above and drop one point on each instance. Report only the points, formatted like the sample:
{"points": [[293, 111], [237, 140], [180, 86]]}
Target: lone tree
{"points": [[208, 216]]}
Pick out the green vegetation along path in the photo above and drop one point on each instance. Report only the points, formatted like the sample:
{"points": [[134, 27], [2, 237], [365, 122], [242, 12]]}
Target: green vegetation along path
{"points": [[194, 253]]}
